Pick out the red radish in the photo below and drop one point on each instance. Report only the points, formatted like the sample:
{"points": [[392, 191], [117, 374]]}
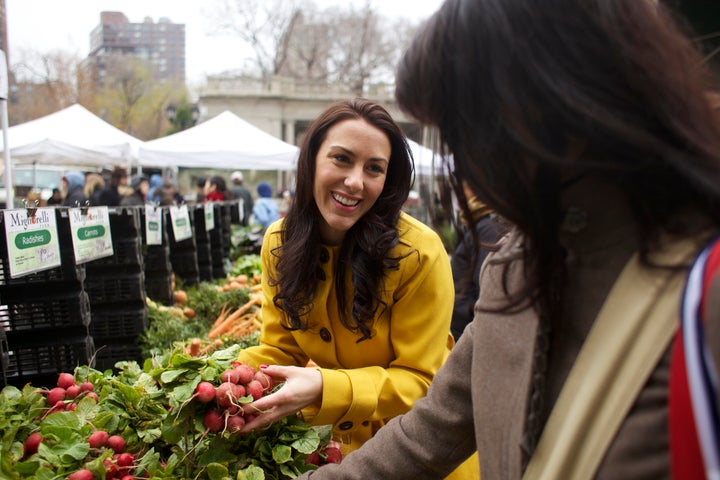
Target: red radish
{"points": [[32, 443], [313, 458], [265, 380], [127, 477], [111, 469], [237, 391], [55, 395], [83, 474], [224, 394], [65, 380], [255, 389], [230, 375], [98, 439], [245, 374], [117, 443], [213, 421], [333, 455], [124, 459], [87, 387], [92, 395], [71, 407], [205, 392], [235, 423], [72, 391]]}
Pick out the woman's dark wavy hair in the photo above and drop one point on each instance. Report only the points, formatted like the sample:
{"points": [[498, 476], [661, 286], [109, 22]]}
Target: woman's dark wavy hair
{"points": [[511, 84], [365, 249]]}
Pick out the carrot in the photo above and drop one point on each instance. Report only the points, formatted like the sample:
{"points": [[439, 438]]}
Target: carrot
{"points": [[227, 323], [194, 348], [223, 314]]}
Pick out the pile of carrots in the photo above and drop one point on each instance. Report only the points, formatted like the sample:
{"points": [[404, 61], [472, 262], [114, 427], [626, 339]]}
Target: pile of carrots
{"points": [[240, 322]]}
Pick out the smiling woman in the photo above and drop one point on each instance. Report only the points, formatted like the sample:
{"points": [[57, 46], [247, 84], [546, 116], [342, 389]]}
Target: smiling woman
{"points": [[347, 280]]}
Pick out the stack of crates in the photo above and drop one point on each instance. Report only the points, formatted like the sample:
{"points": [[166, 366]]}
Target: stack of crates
{"points": [[44, 317], [202, 239], [116, 288], [183, 255], [156, 258], [218, 245]]}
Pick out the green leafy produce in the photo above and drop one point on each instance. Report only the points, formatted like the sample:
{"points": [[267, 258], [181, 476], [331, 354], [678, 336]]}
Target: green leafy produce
{"points": [[249, 265], [147, 422]]}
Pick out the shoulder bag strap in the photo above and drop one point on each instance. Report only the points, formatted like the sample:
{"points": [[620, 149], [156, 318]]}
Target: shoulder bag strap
{"points": [[632, 331]]}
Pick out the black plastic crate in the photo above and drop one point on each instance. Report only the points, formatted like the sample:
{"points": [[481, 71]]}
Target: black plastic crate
{"points": [[117, 322], [159, 287], [67, 271], [126, 252], [46, 312], [157, 258], [114, 287], [4, 356], [124, 222], [41, 362], [108, 354]]}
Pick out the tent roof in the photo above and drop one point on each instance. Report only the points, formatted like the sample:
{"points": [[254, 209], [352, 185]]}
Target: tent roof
{"points": [[424, 158], [71, 136], [224, 142]]}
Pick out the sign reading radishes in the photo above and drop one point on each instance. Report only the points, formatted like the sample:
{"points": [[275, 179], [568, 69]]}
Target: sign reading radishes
{"points": [[91, 237], [32, 240]]}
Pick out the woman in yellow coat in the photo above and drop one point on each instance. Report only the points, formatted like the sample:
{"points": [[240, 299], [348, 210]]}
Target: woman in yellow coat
{"points": [[352, 283]]}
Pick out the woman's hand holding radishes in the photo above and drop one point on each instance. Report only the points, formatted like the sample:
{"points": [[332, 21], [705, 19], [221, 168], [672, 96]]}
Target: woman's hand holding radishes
{"points": [[302, 387]]}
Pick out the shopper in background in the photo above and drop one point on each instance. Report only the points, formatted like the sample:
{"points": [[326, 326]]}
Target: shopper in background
{"points": [[94, 183], [240, 192], [200, 189], [140, 185], [586, 124], [215, 189], [352, 283], [169, 194], [265, 209], [56, 198], [110, 194], [156, 184], [74, 184]]}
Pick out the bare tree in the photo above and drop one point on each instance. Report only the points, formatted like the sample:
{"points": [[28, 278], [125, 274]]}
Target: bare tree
{"points": [[294, 39], [42, 83], [266, 25]]}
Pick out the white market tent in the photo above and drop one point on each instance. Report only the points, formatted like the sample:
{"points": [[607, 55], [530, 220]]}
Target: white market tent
{"points": [[72, 136], [425, 159], [222, 142]]}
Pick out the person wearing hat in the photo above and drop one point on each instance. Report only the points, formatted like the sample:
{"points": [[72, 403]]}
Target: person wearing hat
{"points": [[140, 185], [110, 194], [240, 192], [74, 184], [265, 210]]}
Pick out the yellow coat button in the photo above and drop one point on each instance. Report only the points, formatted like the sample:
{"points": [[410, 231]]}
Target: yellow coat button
{"points": [[346, 426], [325, 334]]}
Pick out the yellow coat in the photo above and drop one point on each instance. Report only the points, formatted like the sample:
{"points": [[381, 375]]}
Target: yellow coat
{"points": [[367, 383]]}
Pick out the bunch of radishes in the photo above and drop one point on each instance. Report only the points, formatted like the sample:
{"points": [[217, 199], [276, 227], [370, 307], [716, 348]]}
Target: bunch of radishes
{"points": [[241, 385], [120, 466], [330, 454], [68, 389]]}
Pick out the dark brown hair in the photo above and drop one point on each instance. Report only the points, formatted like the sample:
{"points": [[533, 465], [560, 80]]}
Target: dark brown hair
{"points": [[366, 247], [512, 84]]}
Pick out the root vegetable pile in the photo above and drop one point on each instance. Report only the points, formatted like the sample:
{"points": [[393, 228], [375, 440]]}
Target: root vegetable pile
{"points": [[176, 417]]}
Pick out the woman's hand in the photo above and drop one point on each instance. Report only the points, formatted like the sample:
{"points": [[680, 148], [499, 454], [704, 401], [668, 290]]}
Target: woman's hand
{"points": [[303, 386]]}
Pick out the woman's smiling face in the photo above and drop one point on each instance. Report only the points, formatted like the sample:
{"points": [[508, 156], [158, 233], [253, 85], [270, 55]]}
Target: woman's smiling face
{"points": [[350, 170]]}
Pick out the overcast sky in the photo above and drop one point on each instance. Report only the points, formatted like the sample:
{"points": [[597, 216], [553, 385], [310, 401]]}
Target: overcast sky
{"points": [[46, 25]]}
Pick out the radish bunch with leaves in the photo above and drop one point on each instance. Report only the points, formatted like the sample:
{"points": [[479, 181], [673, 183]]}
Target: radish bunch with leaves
{"points": [[148, 422]]}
